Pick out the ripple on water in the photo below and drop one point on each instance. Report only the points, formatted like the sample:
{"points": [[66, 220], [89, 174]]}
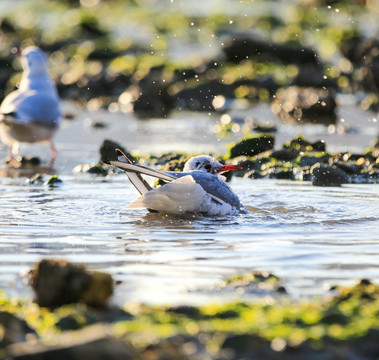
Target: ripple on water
{"points": [[309, 236]]}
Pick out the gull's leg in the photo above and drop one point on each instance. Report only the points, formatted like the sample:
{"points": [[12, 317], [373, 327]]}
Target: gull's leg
{"points": [[13, 150], [53, 152]]}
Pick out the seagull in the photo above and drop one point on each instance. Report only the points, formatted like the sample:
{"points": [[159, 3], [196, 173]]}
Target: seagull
{"points": [[32, 113], [199, 189]]}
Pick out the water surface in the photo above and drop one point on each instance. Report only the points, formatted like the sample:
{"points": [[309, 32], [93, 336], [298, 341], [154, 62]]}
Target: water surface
{"points": [[310, 237]]}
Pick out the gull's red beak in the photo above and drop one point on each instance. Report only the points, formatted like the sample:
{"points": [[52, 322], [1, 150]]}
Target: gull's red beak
{"points": [[229, 168]]}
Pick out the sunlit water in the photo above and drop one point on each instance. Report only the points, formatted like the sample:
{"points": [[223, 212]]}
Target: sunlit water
{"points": [[310, 237]]}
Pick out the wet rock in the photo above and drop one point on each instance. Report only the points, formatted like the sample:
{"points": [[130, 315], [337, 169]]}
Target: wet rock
{"points": [[108, 151], [369, 55], [14, 329], [202, 96], [54, 181], [239, 47], [319, 145], [326, 175], [93, 342], [189, 311], [56, 283], [304, 104], [37, 179], [300, 143], [252, 146], [314, 77], [31, 160], [152, 96], [283, 174], [348, 168], [284, 155], [252, 345], [311, 160], [98, 169]]}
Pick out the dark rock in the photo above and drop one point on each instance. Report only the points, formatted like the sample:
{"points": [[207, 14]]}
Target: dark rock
{"points": [[313, 76], [304, 104], [37, 179], [239, 47], [249, 165], [298, 144], [93, 342], [15, 329], [189, 311], [326, 175], [283, 174], [153, 97], [53, 181], [348, 168], [108, 151], [334, 317], [252, 146], [319, 145], [369, 56], [284, 155], [56, 283], [201, 97], [32, 161], [311, 160], [98, 169]]}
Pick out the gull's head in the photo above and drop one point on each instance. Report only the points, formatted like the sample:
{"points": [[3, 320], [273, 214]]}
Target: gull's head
{"points": [[34, 61], [207, 164]]}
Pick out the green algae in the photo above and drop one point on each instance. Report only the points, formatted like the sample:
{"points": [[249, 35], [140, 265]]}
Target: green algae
{"points": [[348, 315]]}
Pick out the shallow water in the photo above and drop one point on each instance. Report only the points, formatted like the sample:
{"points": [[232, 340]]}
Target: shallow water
{"points": [[310, 237]]}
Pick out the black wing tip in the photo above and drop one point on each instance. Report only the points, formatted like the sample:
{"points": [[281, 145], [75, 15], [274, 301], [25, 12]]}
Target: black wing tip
{"points": [[120, 153]]}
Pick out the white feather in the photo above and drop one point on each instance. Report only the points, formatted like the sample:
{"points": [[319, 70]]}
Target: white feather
{"points": [[180, 196]]}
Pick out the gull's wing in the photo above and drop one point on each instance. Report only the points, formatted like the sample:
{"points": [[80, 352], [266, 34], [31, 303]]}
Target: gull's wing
{"points": [[138, 169], [134, 174]]}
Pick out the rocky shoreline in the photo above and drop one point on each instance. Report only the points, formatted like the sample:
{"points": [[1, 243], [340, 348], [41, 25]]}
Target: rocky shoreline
{"points": [[69, 320], [94, 67], [298, 160]]}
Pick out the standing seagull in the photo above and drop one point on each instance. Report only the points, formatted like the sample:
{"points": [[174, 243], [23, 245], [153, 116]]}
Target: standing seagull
{"points": [[31, 113], [198, 189]]}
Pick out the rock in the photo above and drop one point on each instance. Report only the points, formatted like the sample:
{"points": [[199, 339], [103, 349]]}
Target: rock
{"points": [[14, 329], [252, 146], [348, 168], [98, 291], [244, 46], [108, 151], [98, 169], [302, 144], [305, 104], [202, 96], [311, 160], [93, 342], [369, 56], [56, 283], [189, 311], [313, 76], [284, 155], [37, 179], [153, 98], [326, 175], [53, 181]]}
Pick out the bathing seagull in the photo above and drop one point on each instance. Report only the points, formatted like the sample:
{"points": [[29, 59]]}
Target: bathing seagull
{"points": [[198, 189], [31, 113]]}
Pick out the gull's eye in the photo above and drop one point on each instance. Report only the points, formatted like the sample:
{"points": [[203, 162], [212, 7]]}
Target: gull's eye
{"points": [[208, 167]]}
